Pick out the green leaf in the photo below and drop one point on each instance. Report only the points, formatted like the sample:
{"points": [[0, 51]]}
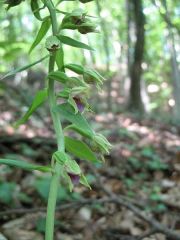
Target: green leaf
{"points": [[66, 111], [80, 149], [74, 43], [58, 76], [41, 33], [59, 59], [25, 165], [39, 98], [13, 72], [35, 9]]}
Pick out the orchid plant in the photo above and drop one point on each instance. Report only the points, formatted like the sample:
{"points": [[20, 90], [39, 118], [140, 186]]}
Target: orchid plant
{"points": [[74, 95]]}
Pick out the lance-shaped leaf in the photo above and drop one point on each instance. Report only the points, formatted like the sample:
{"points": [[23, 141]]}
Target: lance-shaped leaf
{"points": [[39, 98], [41, 33], [17, 70], [74, 43], [80, 149], [36, 9], [25, 165], [66, 111]]}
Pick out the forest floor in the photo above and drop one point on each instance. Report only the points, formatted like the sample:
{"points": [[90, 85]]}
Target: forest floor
{"points": [[137, 188]]}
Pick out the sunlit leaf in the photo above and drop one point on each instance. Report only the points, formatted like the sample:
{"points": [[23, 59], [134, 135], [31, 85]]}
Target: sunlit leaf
{"points": [[66, 111], [36, 9], [74, 43], [13, 72], [41, 33], [39, 98]]}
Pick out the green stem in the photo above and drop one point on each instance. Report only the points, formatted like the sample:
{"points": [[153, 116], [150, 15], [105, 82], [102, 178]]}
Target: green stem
{"points": [[49, 234]]}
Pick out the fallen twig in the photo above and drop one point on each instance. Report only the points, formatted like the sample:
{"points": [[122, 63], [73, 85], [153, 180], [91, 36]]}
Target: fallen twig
{"points": [[76, 204]]}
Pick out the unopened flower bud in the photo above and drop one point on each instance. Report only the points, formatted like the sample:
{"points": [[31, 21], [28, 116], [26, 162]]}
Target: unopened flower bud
{"points": [[74, 19], [102, 143], [52, 43], [87, 27]]}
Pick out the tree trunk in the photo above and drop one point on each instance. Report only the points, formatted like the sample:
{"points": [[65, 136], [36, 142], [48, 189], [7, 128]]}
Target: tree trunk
{"points": [[135, 99], [130, 27], [174, 66]]}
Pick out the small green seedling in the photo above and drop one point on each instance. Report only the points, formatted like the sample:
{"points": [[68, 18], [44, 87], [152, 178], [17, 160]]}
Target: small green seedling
{"points": [[74, 92]]}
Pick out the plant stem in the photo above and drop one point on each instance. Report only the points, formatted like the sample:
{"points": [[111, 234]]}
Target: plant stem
{"points": [[49, 234]]}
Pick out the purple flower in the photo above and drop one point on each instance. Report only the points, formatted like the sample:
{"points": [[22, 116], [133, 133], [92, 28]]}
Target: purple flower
{"points": [[79, 103], [74, 178]]}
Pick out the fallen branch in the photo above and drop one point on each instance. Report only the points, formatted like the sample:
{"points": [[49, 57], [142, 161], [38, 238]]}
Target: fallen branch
{"points": [[77, 204]]}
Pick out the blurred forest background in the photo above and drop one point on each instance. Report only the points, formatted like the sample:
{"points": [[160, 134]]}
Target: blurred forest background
{"points": [[138, 109]]}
